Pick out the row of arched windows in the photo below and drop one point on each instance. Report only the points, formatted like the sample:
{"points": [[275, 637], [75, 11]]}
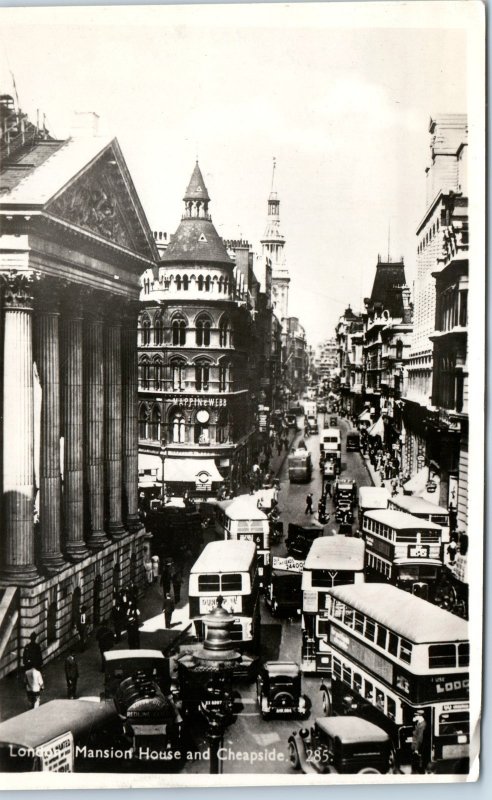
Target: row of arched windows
{"points": [[433, 230], [182, 374], [203, 283], [179, 428], [180, 330]]}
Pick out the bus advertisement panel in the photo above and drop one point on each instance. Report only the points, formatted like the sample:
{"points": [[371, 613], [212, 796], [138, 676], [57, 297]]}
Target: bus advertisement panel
{"points": [[331, 561], [399, 662]]}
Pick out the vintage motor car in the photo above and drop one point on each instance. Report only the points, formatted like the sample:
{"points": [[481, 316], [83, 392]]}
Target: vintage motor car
{"points": [[300, 538], [344, 491], [345, 745], [312, 422], [278, 690], [283, 594]]}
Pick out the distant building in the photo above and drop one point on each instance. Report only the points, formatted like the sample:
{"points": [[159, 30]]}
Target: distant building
{"points": [[347, 378], [273, 244]]}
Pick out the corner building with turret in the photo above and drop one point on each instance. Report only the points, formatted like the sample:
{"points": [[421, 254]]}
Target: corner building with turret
{"points": [[196, 421]]}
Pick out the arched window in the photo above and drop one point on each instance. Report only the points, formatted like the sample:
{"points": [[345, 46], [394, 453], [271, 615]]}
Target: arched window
{"points": [[399, 350], [155, 427], [158, 329], [143, 422], [223, 426], [224, 370], [202, 333], [207, 283], [202, 375], [186, 282], [178, 374], [178, 283], [158, 376], [221, 284], [179, 332], [225, 332], [144, 372], [178, 429], [200, 283], [145, 330]]}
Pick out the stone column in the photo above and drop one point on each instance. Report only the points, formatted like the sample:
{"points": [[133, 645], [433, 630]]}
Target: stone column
{"points": [[17, 529], [47, 358], [73, 430], [130, 420], [94, 426], [113, 427]]}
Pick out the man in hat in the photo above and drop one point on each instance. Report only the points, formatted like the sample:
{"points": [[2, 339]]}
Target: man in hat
{"points": [[32, 653], [71, 675], [417, 741], [168, 607]]}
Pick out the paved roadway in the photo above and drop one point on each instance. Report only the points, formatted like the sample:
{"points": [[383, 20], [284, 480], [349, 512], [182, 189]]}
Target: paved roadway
{"points": [[250, 736]]}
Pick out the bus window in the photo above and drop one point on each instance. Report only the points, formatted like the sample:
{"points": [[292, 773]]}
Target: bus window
{"points": [[405, 651], [370, 630], [380, 701], [359, 622], [464, 655], [391, 708], [323, 627], [337, 609], [357, 682], [381, 638], [209, 583], [442, 655], [347, 675], [369, 691], [231, 583], [348, 617], [337, 668], [456, 724], [393, 644]]}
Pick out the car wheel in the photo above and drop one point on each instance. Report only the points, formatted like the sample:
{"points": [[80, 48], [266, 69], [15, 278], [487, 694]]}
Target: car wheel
{"points": [[394, 767], [294, 759], [327, 703], [369, 771]]}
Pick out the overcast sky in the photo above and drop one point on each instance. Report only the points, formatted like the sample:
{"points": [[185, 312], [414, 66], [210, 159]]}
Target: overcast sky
{"points": [[344, 109]]}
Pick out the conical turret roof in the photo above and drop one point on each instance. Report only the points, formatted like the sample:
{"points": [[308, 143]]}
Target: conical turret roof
{"points": [[196, 188], [196, 239]]}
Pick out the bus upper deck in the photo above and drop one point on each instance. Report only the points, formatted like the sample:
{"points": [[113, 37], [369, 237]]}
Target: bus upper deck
{"points": [[241, 519], [424, 509]]}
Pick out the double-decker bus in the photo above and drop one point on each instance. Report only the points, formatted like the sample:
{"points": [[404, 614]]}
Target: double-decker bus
{"points": [[395, 656], [228, 569], [241, 519], [370, 498], [331, 561], [403, 550], [424, 509]]}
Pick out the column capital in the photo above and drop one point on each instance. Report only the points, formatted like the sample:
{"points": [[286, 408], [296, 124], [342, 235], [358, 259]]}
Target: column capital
{"points": [[18, 288]]}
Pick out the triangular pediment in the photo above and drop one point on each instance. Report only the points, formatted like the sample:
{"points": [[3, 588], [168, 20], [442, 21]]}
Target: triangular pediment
{"points": [[101, 199]]}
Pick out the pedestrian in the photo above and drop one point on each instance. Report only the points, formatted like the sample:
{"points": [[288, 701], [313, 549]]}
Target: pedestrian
{"points": [[82, 627], [105, 639], [309, 504], [155, 567], [148, 570], [168, 608], [34, 684], [118, 617], [420, 726], [32, 653], [166, 577], [133, 626], [72, 676], [451, 551], [177, 578]]}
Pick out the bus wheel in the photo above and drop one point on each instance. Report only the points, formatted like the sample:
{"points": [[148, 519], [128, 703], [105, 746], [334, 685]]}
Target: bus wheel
{"points": [[327, 703], [394, 767], [369, 771], [294, 755]]}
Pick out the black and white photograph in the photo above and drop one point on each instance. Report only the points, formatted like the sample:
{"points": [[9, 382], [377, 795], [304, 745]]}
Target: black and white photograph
{"points": [[242, 377]]}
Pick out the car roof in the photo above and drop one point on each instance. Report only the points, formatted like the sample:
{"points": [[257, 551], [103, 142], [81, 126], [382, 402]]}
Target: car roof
{"points": [[351, 729], [288, 668]]}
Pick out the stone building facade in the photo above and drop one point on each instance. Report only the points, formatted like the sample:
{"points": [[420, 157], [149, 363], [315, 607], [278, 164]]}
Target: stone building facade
{"points": [[196, 410], [73, 242]]}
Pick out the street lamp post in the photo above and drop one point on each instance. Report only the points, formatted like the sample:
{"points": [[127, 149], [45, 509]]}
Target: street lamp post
{"points": [[163, 453]]}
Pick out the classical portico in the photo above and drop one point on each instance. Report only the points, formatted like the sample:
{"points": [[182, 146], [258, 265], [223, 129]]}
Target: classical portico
{"points": [[73, 242]]}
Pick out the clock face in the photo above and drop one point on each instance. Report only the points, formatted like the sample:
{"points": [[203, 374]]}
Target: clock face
{"points": [[203, 416]]}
